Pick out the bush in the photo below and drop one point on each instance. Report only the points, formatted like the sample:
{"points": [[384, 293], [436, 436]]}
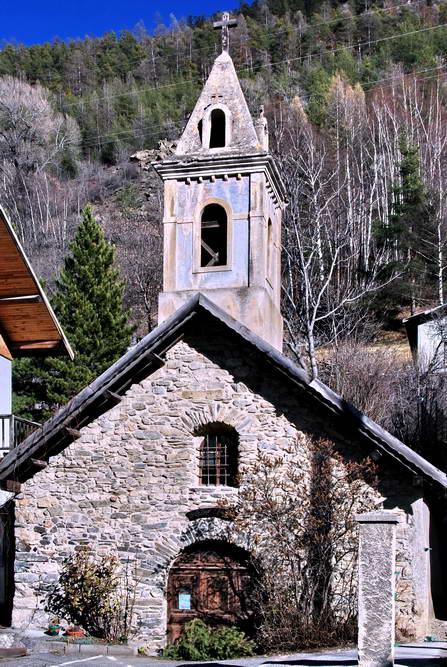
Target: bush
{"points": [[200, 642], [92, 593], [304, 543]]}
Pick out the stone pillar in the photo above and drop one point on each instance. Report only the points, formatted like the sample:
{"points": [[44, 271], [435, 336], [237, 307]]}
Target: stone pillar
{"points": [[377, 563]]}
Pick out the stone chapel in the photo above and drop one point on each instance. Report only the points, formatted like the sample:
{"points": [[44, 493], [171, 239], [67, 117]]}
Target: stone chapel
{"points": [[137, 462]]}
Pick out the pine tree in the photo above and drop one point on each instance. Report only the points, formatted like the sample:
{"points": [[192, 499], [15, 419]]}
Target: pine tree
{"points": [[89, 304], [318, 84], [410, 218]]}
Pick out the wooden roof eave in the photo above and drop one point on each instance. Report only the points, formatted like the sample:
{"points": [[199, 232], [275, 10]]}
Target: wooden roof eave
{"points": [[98, 397], [59, 345]]}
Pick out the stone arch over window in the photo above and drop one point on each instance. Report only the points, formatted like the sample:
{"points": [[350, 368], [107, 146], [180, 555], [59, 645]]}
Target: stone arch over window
{"points": [[213, 236], [218, 454], [196, 418], [215, 127]]}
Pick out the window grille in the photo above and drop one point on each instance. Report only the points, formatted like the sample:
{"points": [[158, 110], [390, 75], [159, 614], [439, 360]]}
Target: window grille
{"points": [[218, 460]]}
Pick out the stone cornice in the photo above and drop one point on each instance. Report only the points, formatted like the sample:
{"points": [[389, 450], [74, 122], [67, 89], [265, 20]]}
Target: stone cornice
{"points": [[185, 167]]}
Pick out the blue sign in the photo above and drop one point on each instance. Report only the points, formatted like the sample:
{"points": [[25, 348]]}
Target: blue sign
{"points": [[184, 601]]}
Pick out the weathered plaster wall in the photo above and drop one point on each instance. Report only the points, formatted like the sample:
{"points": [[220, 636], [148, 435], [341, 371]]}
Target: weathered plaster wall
{"points": [[191, 198], [5, 384], [126, 485], [430, 350], [5, 401], [242, 287]]}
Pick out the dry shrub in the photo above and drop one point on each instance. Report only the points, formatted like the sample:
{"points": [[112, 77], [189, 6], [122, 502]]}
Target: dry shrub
{"points": [[298, 519], [408, 402], [93, 593], [364, 377]]}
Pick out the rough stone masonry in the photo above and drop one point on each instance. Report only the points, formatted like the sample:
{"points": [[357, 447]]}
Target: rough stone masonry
{"points": [[127, 484]]}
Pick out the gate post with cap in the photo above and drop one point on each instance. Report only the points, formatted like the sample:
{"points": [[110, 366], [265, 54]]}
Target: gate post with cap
{"points": [[376, 588]]}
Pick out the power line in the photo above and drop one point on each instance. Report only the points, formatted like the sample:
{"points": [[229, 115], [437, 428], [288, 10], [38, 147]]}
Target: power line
{"points": [[113, 135], [354, 46], [308, 27], [242, 70], [131, 93], [373, 12], [424, 78], [311, 26], [264, 65], [304, 98], [97, 143], [392, 78]]}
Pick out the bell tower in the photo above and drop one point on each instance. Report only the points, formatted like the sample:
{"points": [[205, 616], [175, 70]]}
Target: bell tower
{"points": [[223, 203]]}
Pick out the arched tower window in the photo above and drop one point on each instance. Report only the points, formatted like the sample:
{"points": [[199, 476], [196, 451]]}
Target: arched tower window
{"points": [[270, 251], [218, 129], [213, 236], [218, 456]]}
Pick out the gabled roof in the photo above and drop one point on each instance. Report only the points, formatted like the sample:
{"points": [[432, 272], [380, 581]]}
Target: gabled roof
{"points": [[28, 325], [426, 315], [143, 359], [221, 89], [413, 323]]}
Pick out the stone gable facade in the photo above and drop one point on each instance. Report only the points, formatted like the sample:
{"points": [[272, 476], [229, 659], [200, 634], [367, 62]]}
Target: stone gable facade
{"points": [[128, 485]]}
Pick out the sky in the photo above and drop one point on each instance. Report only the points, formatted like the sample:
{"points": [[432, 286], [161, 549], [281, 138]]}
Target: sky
{"points": [[37, 21]]}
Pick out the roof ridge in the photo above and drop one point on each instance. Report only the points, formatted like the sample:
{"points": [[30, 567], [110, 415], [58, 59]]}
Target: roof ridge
{"points": [[98, 397]]}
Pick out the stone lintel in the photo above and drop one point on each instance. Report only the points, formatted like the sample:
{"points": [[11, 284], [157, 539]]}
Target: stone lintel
{"points": [[381, 516]]}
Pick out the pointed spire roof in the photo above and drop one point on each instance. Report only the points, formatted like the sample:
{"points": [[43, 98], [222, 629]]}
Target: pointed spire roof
{"points": [[221, 91]]}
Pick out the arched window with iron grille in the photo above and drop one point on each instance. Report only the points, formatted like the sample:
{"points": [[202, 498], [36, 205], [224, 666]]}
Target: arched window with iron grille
{"points": [[218, 457]]}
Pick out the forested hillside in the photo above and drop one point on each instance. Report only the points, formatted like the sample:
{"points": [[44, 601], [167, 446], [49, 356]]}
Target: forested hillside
{"points": [[356, 103]]}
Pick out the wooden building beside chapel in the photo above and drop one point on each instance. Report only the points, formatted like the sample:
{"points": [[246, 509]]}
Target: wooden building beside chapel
{"points": [[139, 461], [28, 328]]}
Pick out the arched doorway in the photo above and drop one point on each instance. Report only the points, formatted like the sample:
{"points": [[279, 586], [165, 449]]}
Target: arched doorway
{"points": [[212, 581]]}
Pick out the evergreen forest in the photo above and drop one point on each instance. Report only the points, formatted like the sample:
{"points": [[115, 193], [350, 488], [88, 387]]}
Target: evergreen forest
{"points": [[356, 100]]}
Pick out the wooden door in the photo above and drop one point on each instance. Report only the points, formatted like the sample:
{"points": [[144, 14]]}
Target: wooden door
{"points": [[209, 584], [7, 556]]}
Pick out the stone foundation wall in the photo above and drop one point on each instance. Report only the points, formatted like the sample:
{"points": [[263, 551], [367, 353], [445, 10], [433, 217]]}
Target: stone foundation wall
{"points": [[127, 484]]}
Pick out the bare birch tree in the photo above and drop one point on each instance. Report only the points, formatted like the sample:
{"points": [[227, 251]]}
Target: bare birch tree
{"points": [[331, 262]]}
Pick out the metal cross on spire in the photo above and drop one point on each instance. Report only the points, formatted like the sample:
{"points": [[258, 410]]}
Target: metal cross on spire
{"points": [[226, 23]]}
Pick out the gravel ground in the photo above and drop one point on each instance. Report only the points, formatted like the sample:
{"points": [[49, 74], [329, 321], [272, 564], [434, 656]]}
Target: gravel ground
{"points": [[412, 655]]}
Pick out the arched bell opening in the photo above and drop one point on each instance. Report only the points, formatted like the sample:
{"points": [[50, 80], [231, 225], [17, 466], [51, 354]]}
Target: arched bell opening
{"points": [[218, 129], [213, 236], [270, 251], [213, 581]]}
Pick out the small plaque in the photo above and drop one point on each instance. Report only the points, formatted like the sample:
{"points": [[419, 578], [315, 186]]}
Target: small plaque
{"points": [[184, 601]]}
